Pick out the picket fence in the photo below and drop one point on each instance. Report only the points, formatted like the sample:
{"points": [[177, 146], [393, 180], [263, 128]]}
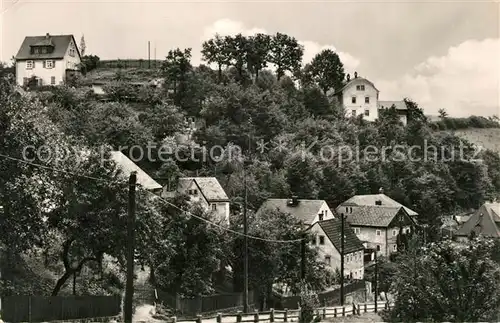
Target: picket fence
{"points": [[287, 315]]}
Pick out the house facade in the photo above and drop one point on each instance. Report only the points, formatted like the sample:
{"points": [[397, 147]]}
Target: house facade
{"points": [[205, 191], [327, 240], [377, 220], [359, 96], [306, 211], [49, 60]]}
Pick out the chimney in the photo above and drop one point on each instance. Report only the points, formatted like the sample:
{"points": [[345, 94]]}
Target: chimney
{"points": [[348, 77], [47, 36], [381, 190], [355, 74]]}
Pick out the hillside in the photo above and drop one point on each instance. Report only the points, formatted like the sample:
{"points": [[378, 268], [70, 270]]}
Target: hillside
{"points": [[488, 138], [127, 74]]}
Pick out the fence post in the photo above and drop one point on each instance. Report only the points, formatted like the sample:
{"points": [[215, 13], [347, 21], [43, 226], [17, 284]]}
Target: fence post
{"points": [[335, 312], [353, 308], [324, 312], [256, 316], [343, 310], [238, 316], [198, 318], [174, 319], [285, 316], [271, 316], [219, 317]]}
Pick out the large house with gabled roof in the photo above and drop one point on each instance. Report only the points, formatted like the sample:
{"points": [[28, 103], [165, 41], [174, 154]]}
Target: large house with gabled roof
{"points": [[49, 60], [327, 239], [359, 96], [206, 191], [377, 219]]}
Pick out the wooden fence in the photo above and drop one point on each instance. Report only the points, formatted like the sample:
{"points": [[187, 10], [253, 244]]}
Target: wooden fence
{"points": [[58, 308], [204, 304], [289, 315]]}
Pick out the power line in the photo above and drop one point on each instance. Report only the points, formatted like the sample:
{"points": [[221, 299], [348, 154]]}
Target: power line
{"points": [[157, 196]]}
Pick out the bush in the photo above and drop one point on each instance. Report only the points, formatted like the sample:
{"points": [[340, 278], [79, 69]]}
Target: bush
{"points": [[308, 304]]}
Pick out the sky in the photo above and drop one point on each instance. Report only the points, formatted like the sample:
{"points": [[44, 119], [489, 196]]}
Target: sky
{"points": [[441, 54]]}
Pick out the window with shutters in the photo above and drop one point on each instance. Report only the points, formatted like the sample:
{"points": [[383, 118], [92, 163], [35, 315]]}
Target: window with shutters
{"points": [[30, 65], [49, 64], [52, 80], [378, 232]]}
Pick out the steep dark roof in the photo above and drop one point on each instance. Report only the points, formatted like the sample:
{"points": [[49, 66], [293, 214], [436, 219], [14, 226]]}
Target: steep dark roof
{"points": [[60, 43], [486, 221], [372, 216], [305, 210], [333, 229], [368, 200]]}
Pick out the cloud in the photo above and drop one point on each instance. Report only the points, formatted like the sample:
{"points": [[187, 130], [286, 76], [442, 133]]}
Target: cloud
{"points": [[465, 81], [228, 27]]}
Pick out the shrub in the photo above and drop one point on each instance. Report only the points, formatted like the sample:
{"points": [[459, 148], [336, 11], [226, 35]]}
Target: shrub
{"points": [[308, 304]]}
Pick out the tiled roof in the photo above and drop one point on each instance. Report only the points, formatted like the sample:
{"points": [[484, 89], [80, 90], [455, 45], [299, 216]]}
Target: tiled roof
{"points": [[371, 198], [305, 210], [485, 221], [400, 105], [60, 43], [372, 216], [353, 80], [333, 230], [209, 187], [127, 166]]}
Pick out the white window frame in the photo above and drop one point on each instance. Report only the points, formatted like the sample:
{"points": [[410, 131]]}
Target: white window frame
{"points": [[357, 230], [30, 65], [367, 112], [395, 247], [49, 64], [214, 206], [378, 233], [394, 232]]}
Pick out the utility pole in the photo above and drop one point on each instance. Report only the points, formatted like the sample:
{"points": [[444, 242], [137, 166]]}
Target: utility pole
{"points": [[376, 280], [155, 54], [303, 258], [129, 290], [149, 54], [342, 260], [245, 232]]}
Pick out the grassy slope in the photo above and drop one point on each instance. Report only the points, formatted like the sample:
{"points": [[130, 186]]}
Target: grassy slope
{"points": [[488, 138], [130, 74]]}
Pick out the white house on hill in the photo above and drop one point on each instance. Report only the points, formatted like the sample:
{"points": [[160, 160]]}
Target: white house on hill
{"points": [[205, 190], [50, 59], [359, 96]]}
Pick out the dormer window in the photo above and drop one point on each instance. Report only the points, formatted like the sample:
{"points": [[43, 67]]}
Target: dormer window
{"points": [[320, 216]]}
